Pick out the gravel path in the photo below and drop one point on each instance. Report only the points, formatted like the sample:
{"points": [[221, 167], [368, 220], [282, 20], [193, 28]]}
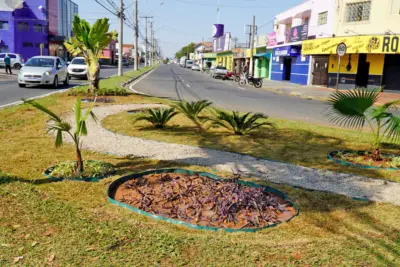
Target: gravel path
{"points": [[102, 140]]}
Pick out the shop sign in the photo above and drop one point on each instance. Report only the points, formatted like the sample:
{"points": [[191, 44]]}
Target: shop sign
{"points": [[271, 39], [299, 33], [287, 51], [389, 44], [222, 43], [218, 30]]}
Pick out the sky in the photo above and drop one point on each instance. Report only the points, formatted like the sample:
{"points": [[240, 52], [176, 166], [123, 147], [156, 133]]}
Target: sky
{"points": [[179, 22]]}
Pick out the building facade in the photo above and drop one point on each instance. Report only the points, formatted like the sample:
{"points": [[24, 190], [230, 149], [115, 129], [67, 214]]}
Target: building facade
{"points": [[35, 27]]}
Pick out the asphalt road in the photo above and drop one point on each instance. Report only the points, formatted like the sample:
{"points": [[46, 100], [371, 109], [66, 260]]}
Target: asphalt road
{"points": [[10, 91], [172, 81]]}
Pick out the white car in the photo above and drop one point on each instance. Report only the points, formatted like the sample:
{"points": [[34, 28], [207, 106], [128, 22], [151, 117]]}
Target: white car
{"points": [[78, 68], [43, 70], [17, 61], [219, 71], [196, 67]]}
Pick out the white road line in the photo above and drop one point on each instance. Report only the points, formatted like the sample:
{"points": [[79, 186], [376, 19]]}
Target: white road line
{"points": [[241, 88], [138, 80], [188, 85]]}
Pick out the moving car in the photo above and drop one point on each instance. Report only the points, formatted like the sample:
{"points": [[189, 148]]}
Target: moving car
{"points": [[196, 67], [43, 70], [219, 71], [189, 63], [78, 68], [16, 60]]}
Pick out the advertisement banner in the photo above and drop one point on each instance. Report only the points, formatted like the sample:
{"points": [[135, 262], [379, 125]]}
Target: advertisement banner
{"points": [[218, 30], [271, 39], [380, 44], [222, 43], [299, 33], [287, 51]]}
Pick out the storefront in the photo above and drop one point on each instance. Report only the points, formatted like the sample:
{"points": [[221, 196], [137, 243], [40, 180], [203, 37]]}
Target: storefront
{"points": [[262, 63], [289, 65], [371, 61], [225, 59], [209, 60]]}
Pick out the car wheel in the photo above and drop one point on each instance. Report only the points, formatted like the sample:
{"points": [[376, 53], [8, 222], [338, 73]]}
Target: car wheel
{"points": [[55, 82], [17, 66], [66, 82], [22, 85]]}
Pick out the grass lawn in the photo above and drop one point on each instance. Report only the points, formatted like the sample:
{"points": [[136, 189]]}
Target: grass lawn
{"points": [[288, 141], [73, 224]]}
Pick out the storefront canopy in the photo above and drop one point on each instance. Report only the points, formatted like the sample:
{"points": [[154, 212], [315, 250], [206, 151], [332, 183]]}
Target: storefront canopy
{"points": [[267, 55]]}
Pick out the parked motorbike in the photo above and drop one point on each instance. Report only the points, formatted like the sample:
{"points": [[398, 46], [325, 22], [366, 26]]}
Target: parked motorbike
{"points": [[229, 76], [257, 82]]}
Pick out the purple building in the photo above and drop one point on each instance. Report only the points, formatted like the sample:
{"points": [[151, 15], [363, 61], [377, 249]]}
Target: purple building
{"points": [[24, 26]]}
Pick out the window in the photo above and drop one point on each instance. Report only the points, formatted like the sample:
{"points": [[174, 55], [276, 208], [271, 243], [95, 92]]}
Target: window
{"points": [[306, 20], [323, 18], [359, 11], [37, 28], [2, 55], [3, 25], [22, 26], [27, 44]]}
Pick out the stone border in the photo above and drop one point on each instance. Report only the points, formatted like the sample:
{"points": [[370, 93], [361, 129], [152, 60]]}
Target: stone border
{"points": [[138, 77]]}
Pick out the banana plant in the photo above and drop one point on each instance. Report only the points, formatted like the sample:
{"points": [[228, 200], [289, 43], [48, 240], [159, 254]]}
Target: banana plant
{"points": [[158, 117], [60, 126], [89, 41], [357, 107], [192, 110]]}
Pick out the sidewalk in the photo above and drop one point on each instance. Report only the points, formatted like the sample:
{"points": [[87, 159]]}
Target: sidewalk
{"points": [[313, 92]]}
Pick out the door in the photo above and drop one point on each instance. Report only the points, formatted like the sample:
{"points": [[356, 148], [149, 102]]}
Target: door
{"points": [[320, 73], [362, 71], [287, 68], [391, 72]]}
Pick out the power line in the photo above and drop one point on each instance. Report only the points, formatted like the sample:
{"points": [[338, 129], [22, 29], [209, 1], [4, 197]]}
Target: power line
{"points": [[222, 6]]}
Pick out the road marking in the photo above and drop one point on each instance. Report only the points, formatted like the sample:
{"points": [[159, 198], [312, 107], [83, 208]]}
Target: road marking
{"points": [[138, 80], [241, 88], [188, 85]]}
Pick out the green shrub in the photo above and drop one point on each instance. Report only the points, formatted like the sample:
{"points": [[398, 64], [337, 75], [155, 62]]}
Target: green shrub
{"points": [[82, 90], [158, 117], [92, 168], [192, 110]]}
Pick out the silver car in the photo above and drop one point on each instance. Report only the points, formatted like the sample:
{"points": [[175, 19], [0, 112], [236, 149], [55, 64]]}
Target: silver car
{"points": [[43, 70], [196, 67]]}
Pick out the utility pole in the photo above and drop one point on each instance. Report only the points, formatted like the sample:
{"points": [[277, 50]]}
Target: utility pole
{"points": [[151, 44], [136, 57], [120, 37], [253, 27], [146, 41]]}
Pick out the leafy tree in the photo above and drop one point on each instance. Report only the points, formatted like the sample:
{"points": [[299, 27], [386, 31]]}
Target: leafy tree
{"points": [[192, 110], [354, 108], [89, 41], [239, 124], [158, 117], [185, 51], [59, 126]]}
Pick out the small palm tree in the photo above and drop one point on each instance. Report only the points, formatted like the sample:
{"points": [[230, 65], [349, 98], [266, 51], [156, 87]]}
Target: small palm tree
{"points": [[158, 117], [354, 108], [192, 110], [239, 124], [59, 126], [89, 41]]}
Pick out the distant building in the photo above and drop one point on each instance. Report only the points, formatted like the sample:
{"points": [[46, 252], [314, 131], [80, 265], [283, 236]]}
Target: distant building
{"points": [[32, 27]]}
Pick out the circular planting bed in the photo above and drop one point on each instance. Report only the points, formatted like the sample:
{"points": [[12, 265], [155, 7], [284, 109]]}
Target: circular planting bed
{"points": [[98, 99], [363, 159], [202, 200], [94, 171]]}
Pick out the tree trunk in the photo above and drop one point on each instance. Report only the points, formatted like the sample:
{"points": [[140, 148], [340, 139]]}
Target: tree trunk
{"points": [[376, 154], [79, 162], [94, 78]]}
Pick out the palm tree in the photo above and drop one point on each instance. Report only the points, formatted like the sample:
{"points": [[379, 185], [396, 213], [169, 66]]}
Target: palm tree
{"points": [[354, 108], [158, 117], [89, 41], [239, 124], [192, 110], [59, 126]]}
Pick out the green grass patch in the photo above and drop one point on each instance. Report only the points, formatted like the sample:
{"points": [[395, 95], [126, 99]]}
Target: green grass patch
{"points": [[294, 142], [92, 168]]}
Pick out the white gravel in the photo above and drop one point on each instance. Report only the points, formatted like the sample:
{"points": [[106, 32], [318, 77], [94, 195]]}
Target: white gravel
{"points": [[102, 140]]}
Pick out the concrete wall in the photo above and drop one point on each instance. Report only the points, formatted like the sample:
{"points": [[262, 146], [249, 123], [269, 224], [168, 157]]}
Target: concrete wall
{"points": [[326, 30], [384, 15]]}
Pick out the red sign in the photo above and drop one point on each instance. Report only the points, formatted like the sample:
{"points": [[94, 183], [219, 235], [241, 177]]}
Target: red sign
{"points": [[271, 39]]}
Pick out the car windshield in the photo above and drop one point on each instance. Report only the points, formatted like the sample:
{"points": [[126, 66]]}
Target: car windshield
{"points": [[221, 68], [78, 61], [40, 62], [195, 65]]}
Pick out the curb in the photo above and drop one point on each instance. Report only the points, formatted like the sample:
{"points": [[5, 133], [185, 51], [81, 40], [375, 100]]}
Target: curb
{"points": [[113, 186], [138, 77]]}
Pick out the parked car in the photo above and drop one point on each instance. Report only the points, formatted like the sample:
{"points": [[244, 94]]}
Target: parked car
{"points": [[43, 70], [189, 64], [219, 71], [16, 60], [78, 68], [196, 67]]}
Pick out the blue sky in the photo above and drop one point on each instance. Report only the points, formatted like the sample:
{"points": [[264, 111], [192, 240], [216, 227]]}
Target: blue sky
{"points": [[179, 22]]}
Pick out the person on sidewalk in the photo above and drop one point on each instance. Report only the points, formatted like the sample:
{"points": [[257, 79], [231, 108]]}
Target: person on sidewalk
{"points": [[7, 61]]}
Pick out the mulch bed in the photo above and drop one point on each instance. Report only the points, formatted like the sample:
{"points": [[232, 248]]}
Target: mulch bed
{"points": [[203, 201]]}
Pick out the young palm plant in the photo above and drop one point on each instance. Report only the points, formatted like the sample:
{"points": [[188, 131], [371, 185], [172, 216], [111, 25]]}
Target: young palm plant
{"points": [[192, 110], [60, 126], [239, 124], [158, 117], [89, 41], [356, 107]]}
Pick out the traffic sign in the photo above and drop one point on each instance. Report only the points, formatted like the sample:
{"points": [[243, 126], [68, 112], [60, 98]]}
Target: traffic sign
{"points": [[341, 49]]}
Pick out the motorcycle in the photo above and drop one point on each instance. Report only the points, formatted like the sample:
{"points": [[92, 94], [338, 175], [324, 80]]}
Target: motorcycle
{"points": [[257, 82], [229, 76]]}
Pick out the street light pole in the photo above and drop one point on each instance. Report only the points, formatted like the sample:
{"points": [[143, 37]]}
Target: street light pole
{"points": [[120, 37], [253, 27], [136, 57]]}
